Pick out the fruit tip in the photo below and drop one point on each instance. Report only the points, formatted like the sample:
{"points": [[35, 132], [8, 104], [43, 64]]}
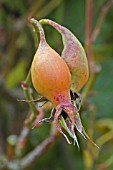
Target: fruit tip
{"points": [[32, 20], [30, 17]]}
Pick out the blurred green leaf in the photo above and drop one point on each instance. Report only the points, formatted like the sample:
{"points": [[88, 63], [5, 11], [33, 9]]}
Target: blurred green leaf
{"points": [[105, 123], [17, 74]]}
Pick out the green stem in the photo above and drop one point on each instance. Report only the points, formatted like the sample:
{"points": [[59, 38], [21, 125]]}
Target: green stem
{"points": [[31, 104], [27, 80], [28, 96]]}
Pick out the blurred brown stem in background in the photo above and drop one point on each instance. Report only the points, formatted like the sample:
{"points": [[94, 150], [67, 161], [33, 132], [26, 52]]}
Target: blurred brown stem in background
{"points": [[89, 20], [39, 151], [91, 36], [100, 20]]}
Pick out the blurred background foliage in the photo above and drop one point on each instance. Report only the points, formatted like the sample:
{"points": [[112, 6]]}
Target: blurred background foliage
{"points": [[17, 47]]}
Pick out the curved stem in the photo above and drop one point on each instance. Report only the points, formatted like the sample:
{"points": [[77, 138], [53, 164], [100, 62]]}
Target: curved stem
{"points": [[57, 26], [65, 33], [29, 97], [38, 28]]}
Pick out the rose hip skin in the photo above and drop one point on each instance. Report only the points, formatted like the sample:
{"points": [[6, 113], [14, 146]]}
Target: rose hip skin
{"points": [[50, 74], [74, 55]]}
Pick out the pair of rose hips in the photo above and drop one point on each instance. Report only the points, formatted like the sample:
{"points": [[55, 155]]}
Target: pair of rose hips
{"points": [[53, 77]]}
